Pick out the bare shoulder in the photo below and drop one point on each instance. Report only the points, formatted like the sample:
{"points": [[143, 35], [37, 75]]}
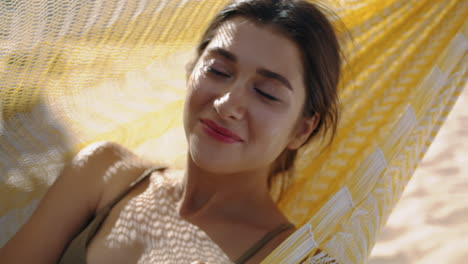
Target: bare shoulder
{"points": [[110, 166], [93, 177], [100, 154]]}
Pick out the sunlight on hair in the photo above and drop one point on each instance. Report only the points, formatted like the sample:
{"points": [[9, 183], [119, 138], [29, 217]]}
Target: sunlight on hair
{"points": [[224, 35]]}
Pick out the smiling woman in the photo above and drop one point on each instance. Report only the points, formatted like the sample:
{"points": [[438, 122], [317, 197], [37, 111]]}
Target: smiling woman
{"points": [[263, 83], [285, 42], [258, 108]]}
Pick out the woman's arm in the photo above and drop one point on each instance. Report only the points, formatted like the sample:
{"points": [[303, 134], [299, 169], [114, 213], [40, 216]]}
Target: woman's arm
{"points": [[68, 205]]}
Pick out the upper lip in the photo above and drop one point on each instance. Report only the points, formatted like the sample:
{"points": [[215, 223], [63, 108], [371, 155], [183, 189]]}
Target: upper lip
{"points": [[220, 129]]}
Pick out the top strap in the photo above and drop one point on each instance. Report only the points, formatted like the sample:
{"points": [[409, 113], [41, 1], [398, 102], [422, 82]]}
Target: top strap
{"points": [[145, 174], [99, 218], [262, 242]]}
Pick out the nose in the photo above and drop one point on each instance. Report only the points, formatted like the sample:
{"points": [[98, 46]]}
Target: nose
{"points": [[231, 105]]}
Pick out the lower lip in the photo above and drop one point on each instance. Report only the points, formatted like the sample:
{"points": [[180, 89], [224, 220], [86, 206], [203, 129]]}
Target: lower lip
{"points": [[218, 136]]}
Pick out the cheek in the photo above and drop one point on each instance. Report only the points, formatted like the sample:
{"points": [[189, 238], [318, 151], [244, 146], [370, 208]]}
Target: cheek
{"points": [[198, 96], [273, 129], [271, 138], [190, 99], [193, 84]]}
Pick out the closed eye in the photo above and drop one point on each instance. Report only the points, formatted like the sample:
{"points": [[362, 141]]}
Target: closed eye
{"points": [[214, 71], [269, 97], [225, 75]]}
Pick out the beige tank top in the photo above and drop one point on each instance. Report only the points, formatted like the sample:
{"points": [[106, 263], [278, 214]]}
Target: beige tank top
{"points": [[75, 253]]}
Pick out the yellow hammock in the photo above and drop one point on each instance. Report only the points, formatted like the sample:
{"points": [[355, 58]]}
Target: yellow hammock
{"points": [[76, 72]]}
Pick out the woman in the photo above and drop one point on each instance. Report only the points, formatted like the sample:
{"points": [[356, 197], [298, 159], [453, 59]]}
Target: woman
{"points": [[262, 85]]}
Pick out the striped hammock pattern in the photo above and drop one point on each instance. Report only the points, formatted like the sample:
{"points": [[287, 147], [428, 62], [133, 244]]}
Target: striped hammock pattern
{"points": [[76, 72]]}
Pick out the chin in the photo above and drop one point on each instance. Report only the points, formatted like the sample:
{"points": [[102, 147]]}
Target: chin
{"points": [[214, 162], [210, 164]]}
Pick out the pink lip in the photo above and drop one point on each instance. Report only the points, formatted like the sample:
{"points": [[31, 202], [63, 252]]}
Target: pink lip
{"points": [[219, 132]]}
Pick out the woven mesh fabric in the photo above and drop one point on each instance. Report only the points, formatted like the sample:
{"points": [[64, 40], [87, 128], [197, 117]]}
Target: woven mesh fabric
{"points": [[76, 72]]}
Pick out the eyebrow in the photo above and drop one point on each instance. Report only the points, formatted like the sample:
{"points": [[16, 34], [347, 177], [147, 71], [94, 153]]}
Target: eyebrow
{"points": [[262, 71]]}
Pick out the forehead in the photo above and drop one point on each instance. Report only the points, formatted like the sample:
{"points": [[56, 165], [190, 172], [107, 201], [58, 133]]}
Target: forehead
{"points": [[259, 45]]}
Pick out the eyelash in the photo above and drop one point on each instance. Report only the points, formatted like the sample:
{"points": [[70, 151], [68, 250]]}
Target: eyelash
{"points": [[212, 70], [222, 74]]}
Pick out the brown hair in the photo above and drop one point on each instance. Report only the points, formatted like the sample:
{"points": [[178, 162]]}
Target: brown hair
{"points": [[307, 25]]}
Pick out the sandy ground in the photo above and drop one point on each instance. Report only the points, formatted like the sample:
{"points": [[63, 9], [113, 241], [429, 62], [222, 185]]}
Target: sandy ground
{"points": [[430, 222]]}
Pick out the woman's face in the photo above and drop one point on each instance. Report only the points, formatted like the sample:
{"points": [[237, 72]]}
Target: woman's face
{"points": [[245, 97]]}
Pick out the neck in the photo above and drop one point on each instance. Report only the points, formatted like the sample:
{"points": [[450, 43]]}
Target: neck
{"points": [[242, 197]]}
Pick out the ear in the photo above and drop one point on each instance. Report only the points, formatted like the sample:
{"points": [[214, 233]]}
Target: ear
{"points": [[303, 129]]}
